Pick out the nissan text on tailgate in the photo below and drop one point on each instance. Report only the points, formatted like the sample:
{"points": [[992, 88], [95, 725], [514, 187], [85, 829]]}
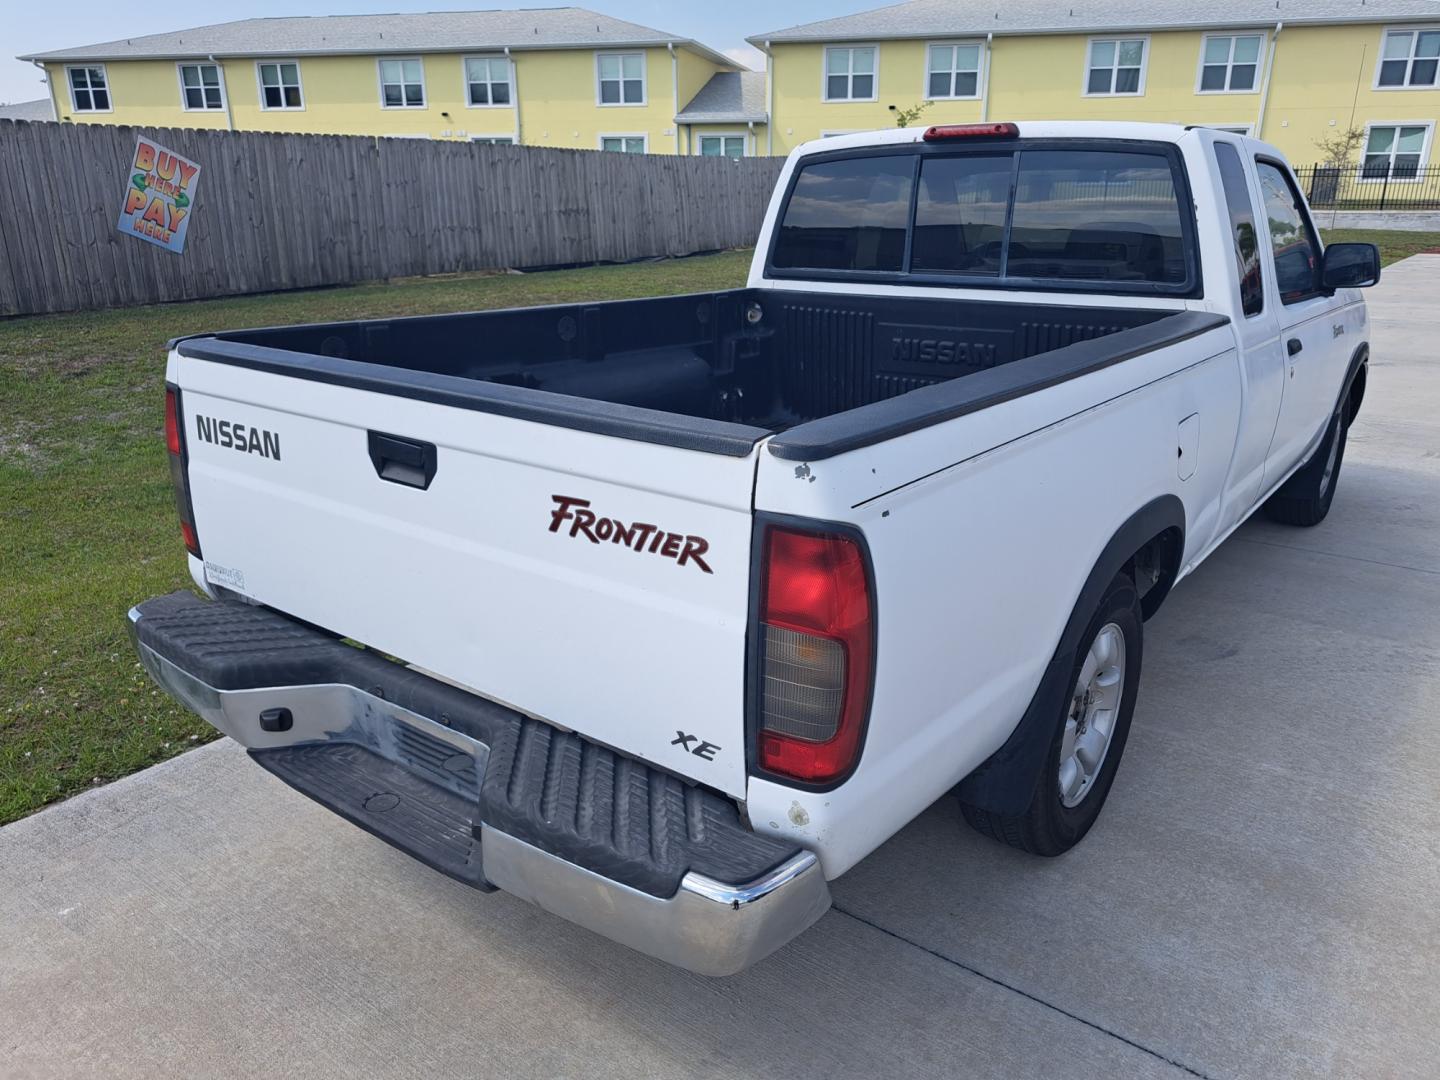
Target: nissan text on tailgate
{"points": [[663, 613]]}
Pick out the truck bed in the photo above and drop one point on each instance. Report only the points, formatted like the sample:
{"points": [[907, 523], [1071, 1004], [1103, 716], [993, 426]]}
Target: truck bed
{"points": [[715, 371]]}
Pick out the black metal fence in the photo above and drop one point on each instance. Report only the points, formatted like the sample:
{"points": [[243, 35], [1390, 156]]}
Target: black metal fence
{"points": [[1376, 185]]}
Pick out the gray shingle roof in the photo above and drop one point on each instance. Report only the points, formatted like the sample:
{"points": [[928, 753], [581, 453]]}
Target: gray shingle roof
{"points": [[942, 18], [28, 110], [729, 97], [431, 31]]}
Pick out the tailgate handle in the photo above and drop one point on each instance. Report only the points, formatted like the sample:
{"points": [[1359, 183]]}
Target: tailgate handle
{"points": [[402, 461]]}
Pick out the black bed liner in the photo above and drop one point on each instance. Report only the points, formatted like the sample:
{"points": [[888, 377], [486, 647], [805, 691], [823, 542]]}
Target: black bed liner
{"points": [[718, 372], [555, 790]]}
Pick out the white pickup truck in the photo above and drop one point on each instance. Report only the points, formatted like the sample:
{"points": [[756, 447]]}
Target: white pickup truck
{"points": [[662, 613]]}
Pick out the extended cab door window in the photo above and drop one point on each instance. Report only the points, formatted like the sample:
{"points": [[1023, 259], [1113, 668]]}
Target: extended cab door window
{"points": [[1242, 229], [1293, 243]]}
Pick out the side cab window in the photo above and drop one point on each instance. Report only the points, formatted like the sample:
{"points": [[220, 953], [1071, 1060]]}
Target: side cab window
{"points": [[1293, 241]]}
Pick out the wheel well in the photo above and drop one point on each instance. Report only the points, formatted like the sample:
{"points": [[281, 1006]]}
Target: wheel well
{"points": [[1154, 566], [1357, 394]]}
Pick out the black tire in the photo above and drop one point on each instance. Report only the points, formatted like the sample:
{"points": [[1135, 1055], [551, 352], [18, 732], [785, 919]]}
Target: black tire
{"points": [[1305, 498], [1048, 826]]}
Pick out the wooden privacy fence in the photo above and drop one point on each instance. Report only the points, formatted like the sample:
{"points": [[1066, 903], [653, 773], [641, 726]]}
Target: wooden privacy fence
{"points": [[297, 211]]}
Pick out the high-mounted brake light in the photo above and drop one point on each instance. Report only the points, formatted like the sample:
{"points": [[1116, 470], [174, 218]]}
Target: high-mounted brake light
{"points": [[971, 131], [815, 645], [179, 478]]}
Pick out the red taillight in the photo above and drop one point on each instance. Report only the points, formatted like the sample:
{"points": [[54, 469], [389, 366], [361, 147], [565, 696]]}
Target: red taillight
{"points": [[179, 479], [172, 420], [941, 132], [816, 642]]}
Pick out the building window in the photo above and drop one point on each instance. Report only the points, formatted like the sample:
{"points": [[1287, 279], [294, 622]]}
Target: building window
{"points": [[1228, 65], [732, 146], [494, 140], [1394, 151], [200, 88], [487, 81], [89, 89], [1117, 66], [1409, 58], [623, 144], [953, 72], [850, 74], [402, 84], [280, 85], [621, 78]]}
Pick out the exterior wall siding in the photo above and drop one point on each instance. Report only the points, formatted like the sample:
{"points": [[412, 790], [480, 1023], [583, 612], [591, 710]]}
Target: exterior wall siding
{"points": [[557, 92], [1320, 75]]}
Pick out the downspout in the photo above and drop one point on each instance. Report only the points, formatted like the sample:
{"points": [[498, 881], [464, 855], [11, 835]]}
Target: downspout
{"points": [[1265, 84], [225, 89], [674, 93], [49, 89], [985, 87], [750, 124], [514, 92], [769, 102]]}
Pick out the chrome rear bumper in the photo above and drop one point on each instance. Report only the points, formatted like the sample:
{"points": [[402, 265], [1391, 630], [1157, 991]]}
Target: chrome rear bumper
{"points": [[707, 926]]}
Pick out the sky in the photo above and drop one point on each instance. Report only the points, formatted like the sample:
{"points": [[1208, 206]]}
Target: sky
{"points": [[29, 26]]}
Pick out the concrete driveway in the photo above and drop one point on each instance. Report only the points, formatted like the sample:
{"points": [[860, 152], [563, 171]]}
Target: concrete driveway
{"points": [[1260, 897]]}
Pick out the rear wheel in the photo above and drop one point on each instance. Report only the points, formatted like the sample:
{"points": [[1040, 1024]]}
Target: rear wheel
{"points": [[1089, 734], [1305, 498]]}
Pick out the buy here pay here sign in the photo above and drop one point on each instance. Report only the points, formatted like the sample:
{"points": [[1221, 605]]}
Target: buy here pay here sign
{"points": [[159, 195]]}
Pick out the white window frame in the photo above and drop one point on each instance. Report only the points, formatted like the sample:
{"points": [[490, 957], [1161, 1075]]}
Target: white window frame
{"points": [[643, 136], [465, 80], [299, 85], [743, 136], [1428, 125], [500, 138], [1144, 40], [70, 88], [644, 79], [380, 62], [1410, 61], [1230, 62], [825, 73], [925, 94], [180, 67], [1245, 130]]}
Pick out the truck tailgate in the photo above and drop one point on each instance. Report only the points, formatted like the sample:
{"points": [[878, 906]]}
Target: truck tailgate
{"points": [[596, 582]]}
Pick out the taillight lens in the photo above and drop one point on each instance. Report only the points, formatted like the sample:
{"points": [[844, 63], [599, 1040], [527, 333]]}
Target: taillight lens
{"points": [[816, 649], [179, 480]]}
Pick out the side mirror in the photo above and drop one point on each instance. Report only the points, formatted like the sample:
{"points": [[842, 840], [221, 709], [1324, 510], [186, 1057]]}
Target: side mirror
{"points": [[1350, 266]]}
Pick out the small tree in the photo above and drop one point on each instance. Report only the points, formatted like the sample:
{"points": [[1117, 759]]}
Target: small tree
{"points": [[906, 117], [1338, 149]]}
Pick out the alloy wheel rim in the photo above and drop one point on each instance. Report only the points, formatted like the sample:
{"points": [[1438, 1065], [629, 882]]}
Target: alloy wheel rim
{"points": [[1094, 712]]}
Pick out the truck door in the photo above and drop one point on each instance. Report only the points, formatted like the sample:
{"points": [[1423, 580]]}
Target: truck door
{"points": [[1307, 325], [1257, 329]]}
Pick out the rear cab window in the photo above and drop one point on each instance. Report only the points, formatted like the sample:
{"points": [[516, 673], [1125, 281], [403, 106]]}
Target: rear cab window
{"points": [[1060, 214]]}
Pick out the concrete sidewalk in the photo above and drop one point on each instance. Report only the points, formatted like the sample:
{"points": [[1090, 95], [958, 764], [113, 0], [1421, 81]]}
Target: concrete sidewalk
{"points": [[1259, 898]]}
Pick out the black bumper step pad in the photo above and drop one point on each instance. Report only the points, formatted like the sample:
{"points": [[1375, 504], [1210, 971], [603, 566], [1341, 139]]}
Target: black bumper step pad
{"points": [[555, 790], [386, 800]]}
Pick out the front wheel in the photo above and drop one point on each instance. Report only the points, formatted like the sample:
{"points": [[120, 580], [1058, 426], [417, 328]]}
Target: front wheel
{"points": [[1305, 498], [1089, 734]]}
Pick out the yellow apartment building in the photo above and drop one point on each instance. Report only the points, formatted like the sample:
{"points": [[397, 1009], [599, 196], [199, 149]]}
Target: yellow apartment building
{"points": [[1293, 72], [561, 77]]}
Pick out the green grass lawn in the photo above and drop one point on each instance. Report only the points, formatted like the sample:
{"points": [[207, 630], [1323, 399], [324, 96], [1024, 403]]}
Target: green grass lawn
{"points": [[1394, 246], [87, 527]]}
